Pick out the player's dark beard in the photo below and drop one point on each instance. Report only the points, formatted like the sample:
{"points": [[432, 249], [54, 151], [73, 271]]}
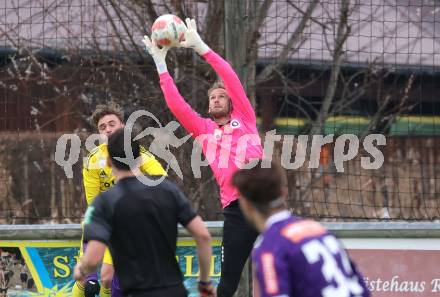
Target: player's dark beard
{"points": [[219, 113]]}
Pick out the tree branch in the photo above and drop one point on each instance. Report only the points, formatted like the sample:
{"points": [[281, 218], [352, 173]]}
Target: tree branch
{"points": [[342, 35], [294, 39]]}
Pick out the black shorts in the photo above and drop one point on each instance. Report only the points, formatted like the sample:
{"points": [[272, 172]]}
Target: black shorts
{"points": [[175, 291], [23, 277], [3, 290]]}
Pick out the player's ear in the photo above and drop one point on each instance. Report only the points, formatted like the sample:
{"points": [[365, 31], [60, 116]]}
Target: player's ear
{"points": [[109, 161], [243, 203]]}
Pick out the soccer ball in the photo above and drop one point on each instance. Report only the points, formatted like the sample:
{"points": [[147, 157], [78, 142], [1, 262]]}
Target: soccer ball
{"points": [[168, 30]]}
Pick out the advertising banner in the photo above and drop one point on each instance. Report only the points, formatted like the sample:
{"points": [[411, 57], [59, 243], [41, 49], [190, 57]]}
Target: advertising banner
{"points": [[45, 268], [391, 266], [397, 267]]}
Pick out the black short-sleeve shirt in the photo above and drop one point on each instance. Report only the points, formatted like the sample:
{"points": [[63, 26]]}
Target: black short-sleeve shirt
{"points": [[139, 224]]}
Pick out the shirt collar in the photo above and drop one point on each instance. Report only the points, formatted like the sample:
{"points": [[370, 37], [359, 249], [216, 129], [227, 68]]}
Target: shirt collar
{"points": [[277, 217], [221, 126]]}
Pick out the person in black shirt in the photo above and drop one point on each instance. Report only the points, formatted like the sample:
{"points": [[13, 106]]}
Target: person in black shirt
{"points": [[138, 222]]}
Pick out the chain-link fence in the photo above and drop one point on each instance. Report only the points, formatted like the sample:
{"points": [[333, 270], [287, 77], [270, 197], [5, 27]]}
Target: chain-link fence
{"points": [[328, 74]]}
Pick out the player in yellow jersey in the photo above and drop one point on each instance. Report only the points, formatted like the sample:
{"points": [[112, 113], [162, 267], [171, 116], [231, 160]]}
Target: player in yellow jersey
{"points": [[98, 177]]}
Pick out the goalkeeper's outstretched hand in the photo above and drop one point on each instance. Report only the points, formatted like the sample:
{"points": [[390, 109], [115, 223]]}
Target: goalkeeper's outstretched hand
{"points": [[158, 54], [193, 39]]}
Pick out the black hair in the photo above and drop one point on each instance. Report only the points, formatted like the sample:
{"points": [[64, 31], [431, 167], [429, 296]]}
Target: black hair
{"points": [[116, 149], [260, 186]]}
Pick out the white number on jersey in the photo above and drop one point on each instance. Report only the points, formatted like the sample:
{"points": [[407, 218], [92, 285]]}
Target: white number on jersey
{"points": [[326, 250]]}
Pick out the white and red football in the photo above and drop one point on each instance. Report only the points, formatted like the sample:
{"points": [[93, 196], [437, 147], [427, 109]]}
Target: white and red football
{"points": [[168, 30]]}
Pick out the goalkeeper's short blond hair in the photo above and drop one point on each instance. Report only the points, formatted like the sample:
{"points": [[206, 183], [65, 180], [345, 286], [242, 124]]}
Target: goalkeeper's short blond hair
{"points": [[217, 85]]}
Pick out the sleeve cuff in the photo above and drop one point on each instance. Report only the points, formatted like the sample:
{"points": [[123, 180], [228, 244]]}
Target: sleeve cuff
{"points": [[208, 54], [96, 232], [97, 238], [187, 219], [164, 75]]}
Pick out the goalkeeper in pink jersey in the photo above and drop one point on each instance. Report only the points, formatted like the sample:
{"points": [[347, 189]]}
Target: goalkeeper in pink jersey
{"points": [[233, 130]]}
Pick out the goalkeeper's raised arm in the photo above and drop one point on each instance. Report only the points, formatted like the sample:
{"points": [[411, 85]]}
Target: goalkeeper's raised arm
{"points": [[232, 85], [191, 120]]}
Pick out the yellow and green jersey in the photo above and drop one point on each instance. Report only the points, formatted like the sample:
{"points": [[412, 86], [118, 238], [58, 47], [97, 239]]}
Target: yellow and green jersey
{"points": [[98, 176]]}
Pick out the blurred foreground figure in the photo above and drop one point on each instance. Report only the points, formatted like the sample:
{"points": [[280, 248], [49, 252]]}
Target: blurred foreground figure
{"points": [[138, 222], [292, 256], [98, 178]]}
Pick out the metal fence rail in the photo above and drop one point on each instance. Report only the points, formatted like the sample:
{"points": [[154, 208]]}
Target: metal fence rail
{"points": [[413, 235], [342, 230]]}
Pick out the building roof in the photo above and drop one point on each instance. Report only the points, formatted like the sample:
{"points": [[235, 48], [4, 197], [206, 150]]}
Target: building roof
{"points": [[393, 32], [396, 32]]}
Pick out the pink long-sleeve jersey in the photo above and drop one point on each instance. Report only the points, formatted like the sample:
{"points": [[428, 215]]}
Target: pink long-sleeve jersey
{"points": [[227, 147]]}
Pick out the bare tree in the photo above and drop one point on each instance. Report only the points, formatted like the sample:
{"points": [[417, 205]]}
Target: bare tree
{"points": [[64, 57]]}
